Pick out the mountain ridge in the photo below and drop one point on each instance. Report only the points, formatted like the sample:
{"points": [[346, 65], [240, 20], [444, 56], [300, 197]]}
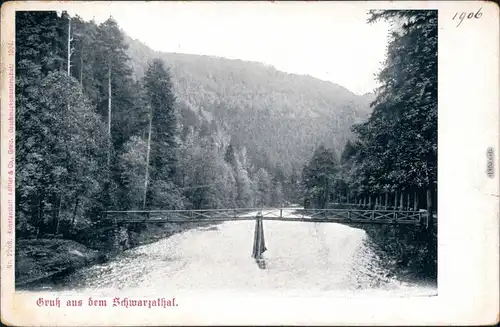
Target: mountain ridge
{"points": [[274, 114], [129, 40]]}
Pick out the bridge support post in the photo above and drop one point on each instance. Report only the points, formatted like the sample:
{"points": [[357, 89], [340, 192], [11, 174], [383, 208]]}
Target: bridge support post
{"points": [[259, 245]]}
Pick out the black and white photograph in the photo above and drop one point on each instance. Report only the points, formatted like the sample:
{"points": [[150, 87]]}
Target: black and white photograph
{"points": [[253, 148]]}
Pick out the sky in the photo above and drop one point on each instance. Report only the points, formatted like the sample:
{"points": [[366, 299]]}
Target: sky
{"points": [[327, 40]]}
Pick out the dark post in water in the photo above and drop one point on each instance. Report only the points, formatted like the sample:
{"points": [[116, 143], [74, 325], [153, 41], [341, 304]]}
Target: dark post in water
{"points": [[259, 245]]}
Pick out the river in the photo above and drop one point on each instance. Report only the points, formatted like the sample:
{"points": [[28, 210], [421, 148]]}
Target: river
{"points": [[301, 258]]}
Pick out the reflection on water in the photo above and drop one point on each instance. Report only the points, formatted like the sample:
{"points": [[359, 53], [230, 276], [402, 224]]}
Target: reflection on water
{"points": [[315, 257]]}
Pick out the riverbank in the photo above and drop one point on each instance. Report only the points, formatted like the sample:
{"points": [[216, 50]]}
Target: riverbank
{"points": [[45, 259], [405, 251], [38, 259]]}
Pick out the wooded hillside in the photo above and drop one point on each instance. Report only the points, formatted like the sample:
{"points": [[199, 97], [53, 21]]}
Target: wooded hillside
{"points": [[103, 122], [279, 117]]}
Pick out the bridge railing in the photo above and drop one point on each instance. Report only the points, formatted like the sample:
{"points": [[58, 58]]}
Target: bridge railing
{"points": [[357, 216], [282, 214], [180, 216]]}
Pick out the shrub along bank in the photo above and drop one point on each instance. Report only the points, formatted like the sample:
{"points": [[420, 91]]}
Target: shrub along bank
{"points": [[410, 252]]}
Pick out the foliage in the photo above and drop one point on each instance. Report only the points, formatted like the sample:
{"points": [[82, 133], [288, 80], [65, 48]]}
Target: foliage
{"points": [[164, 135], [394, 152], [396, 148], [278, 117], [320, 175], [59, 163]]}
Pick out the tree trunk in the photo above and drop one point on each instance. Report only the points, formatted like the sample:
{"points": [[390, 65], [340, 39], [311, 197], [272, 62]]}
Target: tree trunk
{"points": [[75, 208], [54, 212], [69, 55], [146, 177], [386, 200], [81, 68], [58, 215], [429, 207], [408, 201], [69, 46], [40, 216], [109, 114], [415, 201], [401, 202], [396, 201], [431, 241], [327, 195]]}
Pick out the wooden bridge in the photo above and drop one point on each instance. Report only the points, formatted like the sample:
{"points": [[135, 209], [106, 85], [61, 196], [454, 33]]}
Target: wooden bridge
{"points": [[343, 216], [420, 219]]}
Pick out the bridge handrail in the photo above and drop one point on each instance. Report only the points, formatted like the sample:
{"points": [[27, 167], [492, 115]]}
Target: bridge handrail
{"points": [[257, 209], [296, 214], [184, 210]]}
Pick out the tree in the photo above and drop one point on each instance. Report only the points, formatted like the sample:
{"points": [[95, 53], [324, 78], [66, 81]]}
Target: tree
{"points": [[263, 187], [292, 188], [245, 196], [229, 156], [60, 153], [133, 164], [277, 196], [51, 183], [398, 144], [349, 152], [148, 153], [164, 129], [112, 68], [86, 57], [319, 176], [206, 179]]}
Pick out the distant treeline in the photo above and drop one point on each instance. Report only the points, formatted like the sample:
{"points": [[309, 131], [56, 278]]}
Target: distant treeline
{"points": [[393, 158]]}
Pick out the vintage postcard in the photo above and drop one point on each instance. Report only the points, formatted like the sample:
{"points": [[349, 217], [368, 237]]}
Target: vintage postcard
{"points": [[249, 163]]}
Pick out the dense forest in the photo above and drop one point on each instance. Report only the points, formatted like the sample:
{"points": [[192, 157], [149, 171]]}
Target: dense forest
{"points": [[104, 122], [278, 117], [392, 159]]}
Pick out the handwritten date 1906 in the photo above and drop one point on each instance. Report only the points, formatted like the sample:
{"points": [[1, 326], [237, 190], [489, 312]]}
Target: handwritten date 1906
{"points": [[469, 15]]}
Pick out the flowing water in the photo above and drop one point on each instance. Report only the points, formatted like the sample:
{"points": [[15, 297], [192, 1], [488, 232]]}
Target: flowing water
{"points": [[317, 258]]}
